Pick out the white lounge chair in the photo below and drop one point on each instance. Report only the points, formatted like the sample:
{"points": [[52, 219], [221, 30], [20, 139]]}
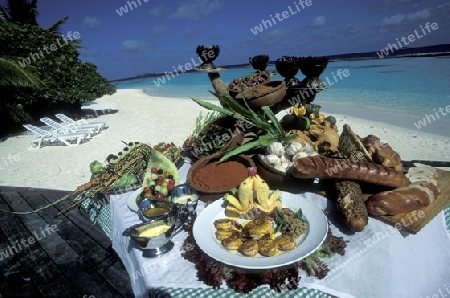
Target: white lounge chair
{"points": [[82, 123], [46, 137], [64, 129]]}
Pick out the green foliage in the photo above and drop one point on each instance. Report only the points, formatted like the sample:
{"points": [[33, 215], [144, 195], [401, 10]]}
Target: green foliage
{"points": [[67, 82], [20, 11], [97, 169], [265, 121], [12, 75]]}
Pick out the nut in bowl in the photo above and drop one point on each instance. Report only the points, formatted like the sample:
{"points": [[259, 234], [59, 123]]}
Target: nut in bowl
{"points": [[274, 165]]}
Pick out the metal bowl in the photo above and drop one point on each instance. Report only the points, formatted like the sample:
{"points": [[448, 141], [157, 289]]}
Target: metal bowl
{"points": [[151, 209], [154, 237], [185, 195]]}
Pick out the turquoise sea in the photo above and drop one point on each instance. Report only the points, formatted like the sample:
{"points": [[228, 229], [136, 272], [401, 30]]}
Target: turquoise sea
{"points": [[400, 91]]}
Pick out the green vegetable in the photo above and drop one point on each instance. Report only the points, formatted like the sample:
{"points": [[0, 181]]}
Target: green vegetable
{"points": [[324, 251], [288, 121], [312, 109], [299, 214], [126, 180], [303, 123], [279, 221], [96, 169], [314, 266]]}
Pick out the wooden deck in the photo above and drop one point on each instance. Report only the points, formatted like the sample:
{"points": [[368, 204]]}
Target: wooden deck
{"points": [[66, 256]]}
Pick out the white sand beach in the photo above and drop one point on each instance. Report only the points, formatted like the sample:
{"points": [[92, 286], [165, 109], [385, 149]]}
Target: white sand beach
{"points": [[149, 119]]}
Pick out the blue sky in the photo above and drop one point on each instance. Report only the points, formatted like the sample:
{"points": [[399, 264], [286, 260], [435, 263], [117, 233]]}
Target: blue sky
{"points": [[154, 36]]}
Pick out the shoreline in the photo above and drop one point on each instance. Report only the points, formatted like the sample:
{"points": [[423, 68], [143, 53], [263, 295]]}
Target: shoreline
{"points": [[144, 118]]}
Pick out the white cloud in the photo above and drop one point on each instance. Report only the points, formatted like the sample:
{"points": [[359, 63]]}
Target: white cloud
{"points": [[420, 15], [131, 44], [157, 11], [394, 20], [196, 9], [91, 22], [319, 21], [277, 33], [159, 30], [352, 28], [400, 19], [138, 46], [190, 32], [393, 3]]}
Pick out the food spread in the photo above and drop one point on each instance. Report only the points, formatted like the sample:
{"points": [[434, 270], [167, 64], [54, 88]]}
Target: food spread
{"points": [[256, 223]]}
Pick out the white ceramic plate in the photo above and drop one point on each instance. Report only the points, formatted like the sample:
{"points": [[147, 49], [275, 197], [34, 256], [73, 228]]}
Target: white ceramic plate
{"points": [[131, 202], [204, 233]]}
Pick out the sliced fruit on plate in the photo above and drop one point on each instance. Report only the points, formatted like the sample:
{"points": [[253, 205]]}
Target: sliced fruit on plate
{"points": [[160, 177], [170, 150]]}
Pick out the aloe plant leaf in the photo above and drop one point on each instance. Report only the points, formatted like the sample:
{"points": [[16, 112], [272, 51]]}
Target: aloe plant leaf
{"points": [[241, 149], [256, 119], [268, 112], [268, 139], [213, 107]]}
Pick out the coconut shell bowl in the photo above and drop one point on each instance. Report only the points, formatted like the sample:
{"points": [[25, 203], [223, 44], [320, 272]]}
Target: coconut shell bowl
{"points": [[266, 94], [212, 180]]}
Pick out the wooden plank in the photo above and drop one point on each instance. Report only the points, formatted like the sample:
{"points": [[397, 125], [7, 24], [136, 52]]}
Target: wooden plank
{"points": [[38, 265], [14, 281], [88, 253], [110, 268], [80, 220], [414, 221]]}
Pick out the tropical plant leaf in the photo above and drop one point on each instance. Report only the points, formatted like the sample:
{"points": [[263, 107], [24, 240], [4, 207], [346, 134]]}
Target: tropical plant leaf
{"points": [[247, 112], [265, 121], [241, 149], [268, 112], [12, 75], [213, 107], [55, 28], [267, 139], [20, 11]]}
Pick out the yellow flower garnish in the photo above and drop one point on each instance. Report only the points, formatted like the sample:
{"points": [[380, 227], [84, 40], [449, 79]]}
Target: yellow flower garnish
{"points": [[298, 111]]}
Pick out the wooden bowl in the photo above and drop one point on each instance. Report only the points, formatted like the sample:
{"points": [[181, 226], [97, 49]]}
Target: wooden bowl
{"points": [[209, 194], [273, 177], [276, 94], [280, 180], [236, 138]]}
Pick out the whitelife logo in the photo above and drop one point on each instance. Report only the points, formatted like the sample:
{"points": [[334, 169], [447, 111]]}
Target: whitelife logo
{"points": [[411, 38], [48, 50], [182, 68], [266, 24]]}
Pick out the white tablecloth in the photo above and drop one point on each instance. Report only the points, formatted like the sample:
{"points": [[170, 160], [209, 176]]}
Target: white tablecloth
{"points": [[379, 262]]}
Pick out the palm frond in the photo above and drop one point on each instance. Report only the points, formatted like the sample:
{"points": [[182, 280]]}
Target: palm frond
{"points": [[12, 75], [55, 28], [3, 14]]}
